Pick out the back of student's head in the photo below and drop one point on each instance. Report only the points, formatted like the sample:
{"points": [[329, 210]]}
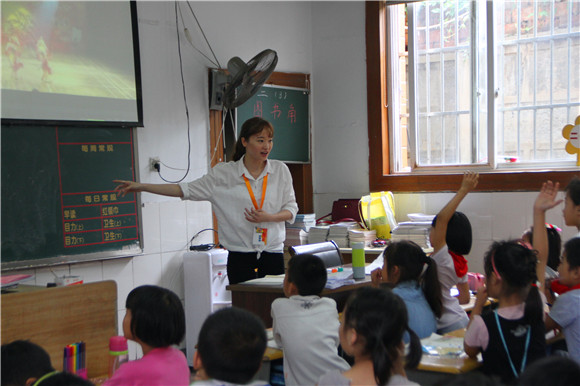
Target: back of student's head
{"points": [[515, 265], [380, 319], [157, 316], [459, 236], [573, 190], [231, 345], [553, 371], [572, 252], [554, 244], [21, 360], [414, 264], [308, 273], [63, 379]]}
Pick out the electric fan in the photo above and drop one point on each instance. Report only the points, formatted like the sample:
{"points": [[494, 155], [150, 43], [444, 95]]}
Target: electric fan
{"points": [[243, 81]]}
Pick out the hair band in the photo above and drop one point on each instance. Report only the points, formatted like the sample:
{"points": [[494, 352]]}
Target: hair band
{"points": [[552, 226]]}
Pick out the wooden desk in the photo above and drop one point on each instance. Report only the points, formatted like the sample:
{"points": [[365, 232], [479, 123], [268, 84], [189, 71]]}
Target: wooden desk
{"points": [[55, 317], [258, 298], [435, 369]]}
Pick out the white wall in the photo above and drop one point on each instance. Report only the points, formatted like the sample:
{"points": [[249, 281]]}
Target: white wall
{"points": [[325, 39]]}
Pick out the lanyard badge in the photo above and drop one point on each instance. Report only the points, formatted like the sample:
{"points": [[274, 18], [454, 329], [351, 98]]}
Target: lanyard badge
{"points": [[260, 236]]}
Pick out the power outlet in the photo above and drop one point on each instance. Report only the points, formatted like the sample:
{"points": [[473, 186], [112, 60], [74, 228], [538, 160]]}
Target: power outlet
{"points": [[154, 164]]}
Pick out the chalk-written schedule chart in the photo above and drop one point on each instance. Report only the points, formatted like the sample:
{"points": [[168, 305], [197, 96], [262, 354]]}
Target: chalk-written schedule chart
{"points": [[92, 212], [58, 198]]}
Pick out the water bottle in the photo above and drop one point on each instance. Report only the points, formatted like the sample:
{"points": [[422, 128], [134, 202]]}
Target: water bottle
{"points": [[358, 260], [118, 353]]}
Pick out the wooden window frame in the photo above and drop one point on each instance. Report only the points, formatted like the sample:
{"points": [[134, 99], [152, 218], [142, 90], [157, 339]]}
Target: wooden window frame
{"points": [[379, 144]]}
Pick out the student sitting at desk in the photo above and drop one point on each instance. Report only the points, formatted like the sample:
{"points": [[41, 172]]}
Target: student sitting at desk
{"points": [[305, 325], [25, 364], [565, 313], [451, 238], [414, 277], [155, 319], [230, 348], [511, 337], [374, 321]]}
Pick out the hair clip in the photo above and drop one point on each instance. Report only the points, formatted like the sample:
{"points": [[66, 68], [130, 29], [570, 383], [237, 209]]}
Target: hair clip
{"points": [[552, 226]]}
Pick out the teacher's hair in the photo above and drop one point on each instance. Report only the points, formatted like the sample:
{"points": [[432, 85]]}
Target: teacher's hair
{"points": [[251, 127]]}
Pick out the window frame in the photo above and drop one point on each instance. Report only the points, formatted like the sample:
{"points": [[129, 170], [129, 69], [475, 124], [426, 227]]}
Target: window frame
{"points": [[379, 144]]}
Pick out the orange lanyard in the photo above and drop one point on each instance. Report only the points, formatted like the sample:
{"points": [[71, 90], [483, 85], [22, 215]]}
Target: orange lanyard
{"points": [[264, 186]]}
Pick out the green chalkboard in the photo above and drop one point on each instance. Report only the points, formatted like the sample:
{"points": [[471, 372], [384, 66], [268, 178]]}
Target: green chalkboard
{"points": [[58, 202], [288, 110]]}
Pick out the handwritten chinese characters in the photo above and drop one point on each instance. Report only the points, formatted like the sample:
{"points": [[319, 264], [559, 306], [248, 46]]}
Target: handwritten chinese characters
{"points": [[98, 215]]}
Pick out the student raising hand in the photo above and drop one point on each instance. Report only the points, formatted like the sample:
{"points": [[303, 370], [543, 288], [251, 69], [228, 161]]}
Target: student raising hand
{"points": [[545, 200]]}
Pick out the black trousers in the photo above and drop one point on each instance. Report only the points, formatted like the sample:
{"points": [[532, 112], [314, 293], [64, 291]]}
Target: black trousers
{"points": [[242, 265]]}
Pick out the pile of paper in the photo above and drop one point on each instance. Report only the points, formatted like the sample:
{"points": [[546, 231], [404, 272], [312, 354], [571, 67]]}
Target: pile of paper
{"points": [[295, 236], [339, 232], [361, 235], [303, 221], [338, 279], [317, 234], [297, 233], [416, 231]]}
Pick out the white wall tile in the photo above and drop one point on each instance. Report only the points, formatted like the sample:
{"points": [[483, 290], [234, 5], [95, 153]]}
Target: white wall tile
{"points": [[147, 270], [151, 227], [47, 275], [121, 271], [173, 225], [89, 272], [172, 266], [199, 216], [406, 203], [511, 213]]}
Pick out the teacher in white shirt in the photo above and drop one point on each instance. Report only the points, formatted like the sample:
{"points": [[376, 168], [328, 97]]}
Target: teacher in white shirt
{"points": [[251, 196]]}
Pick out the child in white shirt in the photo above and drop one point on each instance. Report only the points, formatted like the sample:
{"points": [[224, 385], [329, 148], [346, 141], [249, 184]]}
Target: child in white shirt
{"points": [[305, 325]]}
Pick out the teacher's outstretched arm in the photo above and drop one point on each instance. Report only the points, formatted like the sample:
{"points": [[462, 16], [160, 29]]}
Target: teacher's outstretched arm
{"points": [[171, 190]]}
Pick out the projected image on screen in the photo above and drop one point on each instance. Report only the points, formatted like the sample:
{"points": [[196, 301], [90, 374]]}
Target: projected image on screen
{"points": [[69, 61]]}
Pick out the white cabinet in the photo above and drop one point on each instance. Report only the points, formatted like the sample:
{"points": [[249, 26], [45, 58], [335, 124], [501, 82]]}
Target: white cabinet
{"points": [[205, 281]]}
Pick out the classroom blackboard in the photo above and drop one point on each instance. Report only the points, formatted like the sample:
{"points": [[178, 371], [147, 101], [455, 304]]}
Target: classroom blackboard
{"points": [[58, 198], [288, 110]]}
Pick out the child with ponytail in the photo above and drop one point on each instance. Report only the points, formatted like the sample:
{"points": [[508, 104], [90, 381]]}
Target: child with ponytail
{"points": [[372, 327], [414, 277], [512, 336], [451, 239]]}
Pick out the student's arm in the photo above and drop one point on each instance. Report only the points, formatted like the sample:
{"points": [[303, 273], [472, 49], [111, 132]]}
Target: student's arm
{"points": [[438, 236], [480, 300], [464, 295], [546, 200], [471, 352], [171, 190], [551, 324]]}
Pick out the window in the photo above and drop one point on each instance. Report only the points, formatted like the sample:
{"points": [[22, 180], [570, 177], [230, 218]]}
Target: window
{"points": [[472, 111]]}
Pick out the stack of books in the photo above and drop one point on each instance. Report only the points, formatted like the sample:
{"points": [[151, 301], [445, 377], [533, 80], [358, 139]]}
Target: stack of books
{"points": [[295, 236], [303, 221], [297, 233], [361, 235], [339, 233], [416, 231], [317, 234]]}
